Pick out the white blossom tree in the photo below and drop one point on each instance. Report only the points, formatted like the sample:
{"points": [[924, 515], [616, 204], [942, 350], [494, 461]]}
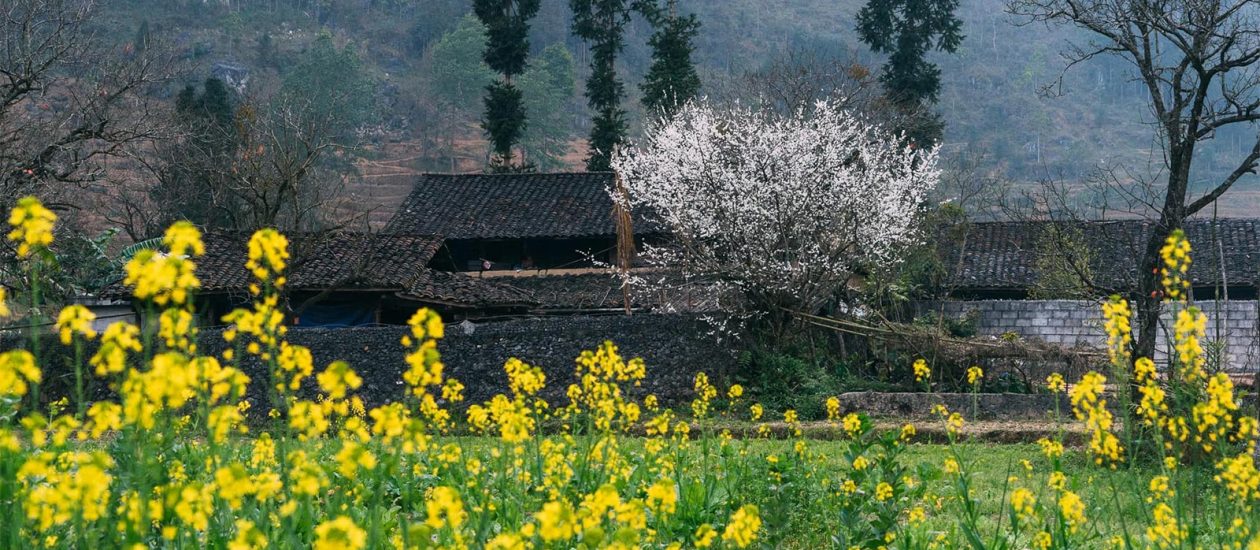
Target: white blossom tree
{"points": [[784, 210]]}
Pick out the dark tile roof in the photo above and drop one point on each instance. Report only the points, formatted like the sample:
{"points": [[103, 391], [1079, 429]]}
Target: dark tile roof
{"points": [[463, 290], [1003, 255], [584, 291], [336, 260], [506, 206], [600, 291]]}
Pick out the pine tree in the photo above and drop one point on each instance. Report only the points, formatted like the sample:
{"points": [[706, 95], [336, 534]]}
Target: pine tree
{"points": [[507, 47], [601, 23], [907, 30], [672, 80], [548, 86]]}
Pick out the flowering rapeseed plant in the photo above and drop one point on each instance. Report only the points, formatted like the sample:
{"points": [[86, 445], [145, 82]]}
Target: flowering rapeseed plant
{"points": [[175, 460]]}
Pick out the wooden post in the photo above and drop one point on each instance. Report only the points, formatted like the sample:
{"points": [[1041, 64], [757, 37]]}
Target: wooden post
{"points": [[625, 236]]}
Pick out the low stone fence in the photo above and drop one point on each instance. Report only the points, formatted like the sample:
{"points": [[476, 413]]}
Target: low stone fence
{"points": [[674, 348], [981, 406], [1232, 328]]}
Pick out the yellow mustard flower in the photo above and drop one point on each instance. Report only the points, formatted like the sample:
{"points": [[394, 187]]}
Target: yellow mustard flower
{"points": [[743, 526], [32, 225], [340, 533]]}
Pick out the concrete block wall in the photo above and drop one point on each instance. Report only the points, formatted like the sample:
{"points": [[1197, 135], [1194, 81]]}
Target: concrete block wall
{"points": [[1073, 323]]}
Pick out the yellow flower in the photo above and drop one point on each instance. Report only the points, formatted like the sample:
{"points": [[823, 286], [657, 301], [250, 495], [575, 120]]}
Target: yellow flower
{"points": [[248, 537], [119, 339], [1050, 448], [704, 536], [789, 416], [4, 307], [1164, 531], [1119, 331], [234, 484], [444, 507], [340, 533], [352, 457], [1042, 540], [268, 255], [1055, 383], [75, 319], [1176, 255], [755, 411], [1188, 332], [1024, 503], [556, 521], [852, 424], [1072, 509], [908, 431], [32, 225], [194, 504], [883, 491], [921, 371], [307, 419], [975, 375], [183, 238], [833, 408], [743, 526], [734, 392], [662, 497], [951, 466], [162, 278], [1057, 481], [17, 371], [337, 379], [917, 515]]}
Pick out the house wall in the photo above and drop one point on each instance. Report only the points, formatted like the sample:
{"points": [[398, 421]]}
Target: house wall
{"points": [[1074, 323]]}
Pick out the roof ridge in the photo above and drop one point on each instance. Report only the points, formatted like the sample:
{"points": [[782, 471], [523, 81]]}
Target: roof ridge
{"points": [[515, 174]]}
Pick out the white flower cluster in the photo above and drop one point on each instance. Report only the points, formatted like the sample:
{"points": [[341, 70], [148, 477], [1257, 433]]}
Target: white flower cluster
{"points": [[786, 209]]}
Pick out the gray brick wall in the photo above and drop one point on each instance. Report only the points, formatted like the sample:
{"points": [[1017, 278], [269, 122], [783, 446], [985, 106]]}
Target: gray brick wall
{"points": [[1232, 326]]}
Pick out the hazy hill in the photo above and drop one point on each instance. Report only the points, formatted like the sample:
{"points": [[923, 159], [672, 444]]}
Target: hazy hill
{"points": [[991, 99]]}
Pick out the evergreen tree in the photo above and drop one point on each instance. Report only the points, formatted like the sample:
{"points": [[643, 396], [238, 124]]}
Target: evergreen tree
{"points": [[907, 30], [507, 47], [672, 80], [548, 86], [602, 23], [457, 66]]}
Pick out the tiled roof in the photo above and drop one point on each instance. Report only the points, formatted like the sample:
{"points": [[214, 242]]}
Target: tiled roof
{"points": [[584, 291], [505, 206], [599, 291], [463, 290], [335, 260], [1003, 255]]}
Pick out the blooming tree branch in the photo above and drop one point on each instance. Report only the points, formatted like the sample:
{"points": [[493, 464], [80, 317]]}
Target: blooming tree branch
{"points": [[783, 209]]}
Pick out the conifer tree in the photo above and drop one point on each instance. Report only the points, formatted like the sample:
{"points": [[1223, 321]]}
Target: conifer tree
{"points": [[907, 30], [602, 23], [672, 80], [507, 47]]}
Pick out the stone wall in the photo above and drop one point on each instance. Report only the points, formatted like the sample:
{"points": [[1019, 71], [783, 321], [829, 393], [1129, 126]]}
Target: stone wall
{"points": [[1074, 323], [674, 348]]}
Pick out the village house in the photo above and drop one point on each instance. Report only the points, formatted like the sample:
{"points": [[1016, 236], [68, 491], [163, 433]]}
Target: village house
{"points": [[1044, 281], [552, 236], [349, 279]]}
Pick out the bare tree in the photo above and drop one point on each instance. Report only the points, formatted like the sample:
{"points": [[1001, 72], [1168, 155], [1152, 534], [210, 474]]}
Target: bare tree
{"points": [[69, 99], [1198, 62]]}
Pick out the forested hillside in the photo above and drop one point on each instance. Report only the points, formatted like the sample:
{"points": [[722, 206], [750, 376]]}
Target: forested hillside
{"points": [[421, 61]]}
